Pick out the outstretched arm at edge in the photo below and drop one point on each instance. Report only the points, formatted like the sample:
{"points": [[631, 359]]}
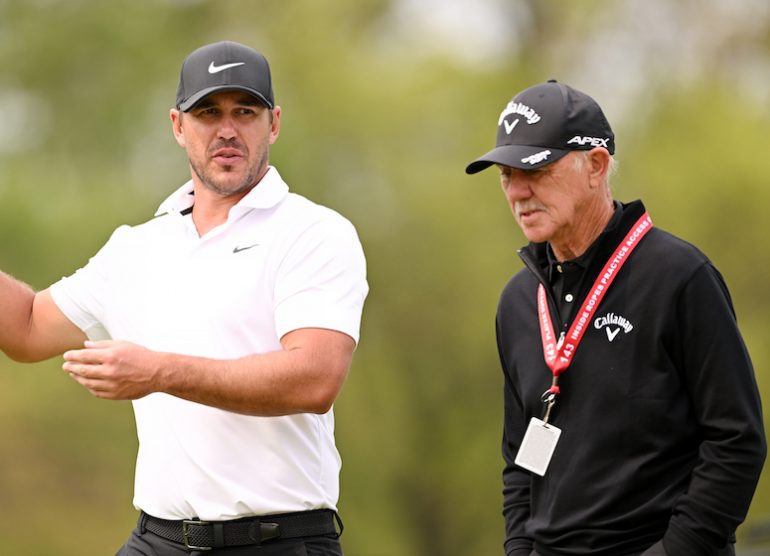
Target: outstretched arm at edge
{"points": [[32, 327]]}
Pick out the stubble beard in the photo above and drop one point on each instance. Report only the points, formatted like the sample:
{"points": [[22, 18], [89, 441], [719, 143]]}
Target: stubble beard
{"points": [[220, 187]]}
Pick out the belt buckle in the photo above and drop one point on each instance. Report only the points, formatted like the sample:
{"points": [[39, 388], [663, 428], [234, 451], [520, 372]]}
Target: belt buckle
{"points": [[185, 532], [261, 531]]}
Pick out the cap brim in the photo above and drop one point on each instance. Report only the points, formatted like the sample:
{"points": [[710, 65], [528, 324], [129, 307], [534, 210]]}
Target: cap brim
{"points": [[190, 103], [524, 157]]}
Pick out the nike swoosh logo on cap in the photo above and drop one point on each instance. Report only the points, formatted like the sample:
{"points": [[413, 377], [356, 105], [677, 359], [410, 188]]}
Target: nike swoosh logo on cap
{"points": [[213, 68]]}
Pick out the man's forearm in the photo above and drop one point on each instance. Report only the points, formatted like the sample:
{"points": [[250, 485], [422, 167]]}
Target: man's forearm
{"points": [[269, 384], [303, 377]]}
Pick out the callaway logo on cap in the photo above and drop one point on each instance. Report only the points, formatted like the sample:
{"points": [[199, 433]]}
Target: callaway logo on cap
{"points": [[542, 124], [223, 66]]}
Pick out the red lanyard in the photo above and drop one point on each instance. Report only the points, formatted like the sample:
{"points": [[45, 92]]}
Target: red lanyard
{"points": [[558, 354]]}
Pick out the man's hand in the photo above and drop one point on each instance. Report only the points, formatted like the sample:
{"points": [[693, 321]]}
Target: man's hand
{"points": [[304, 376], [113, 370]]}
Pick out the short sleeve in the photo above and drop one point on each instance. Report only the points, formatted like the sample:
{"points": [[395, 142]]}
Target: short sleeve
{"points": [[81, 296], [321, 281]]}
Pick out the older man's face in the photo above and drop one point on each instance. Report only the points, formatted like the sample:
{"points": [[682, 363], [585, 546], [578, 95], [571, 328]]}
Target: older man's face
{"points": [[548, 202]]}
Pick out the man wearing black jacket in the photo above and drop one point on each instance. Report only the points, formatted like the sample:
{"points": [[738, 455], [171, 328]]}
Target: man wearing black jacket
{"points": [[633, 423]]}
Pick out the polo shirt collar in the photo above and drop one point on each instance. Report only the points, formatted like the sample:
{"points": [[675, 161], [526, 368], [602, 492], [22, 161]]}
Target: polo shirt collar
{"points": [[270, 191], [579, 264]]}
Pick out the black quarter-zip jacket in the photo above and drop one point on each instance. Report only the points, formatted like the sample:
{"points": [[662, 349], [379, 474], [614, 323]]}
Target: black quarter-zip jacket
{"points": [[662, 434]]}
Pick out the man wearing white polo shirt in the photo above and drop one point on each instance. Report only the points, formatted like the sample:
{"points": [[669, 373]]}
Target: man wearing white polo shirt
{"points": [[230, 319]]}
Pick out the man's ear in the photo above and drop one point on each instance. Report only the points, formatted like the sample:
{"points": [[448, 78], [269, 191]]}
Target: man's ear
{"points": [[598, 165], [176, 126], [275, 125]]}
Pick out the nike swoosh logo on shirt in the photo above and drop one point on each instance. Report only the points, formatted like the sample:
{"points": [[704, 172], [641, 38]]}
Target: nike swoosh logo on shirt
{"points": [[213, 68], [238, 248]]}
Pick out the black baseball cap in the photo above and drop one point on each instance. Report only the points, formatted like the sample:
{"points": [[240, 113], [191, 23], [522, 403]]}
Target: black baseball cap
{"points": [[542, 124], [223, 66]]}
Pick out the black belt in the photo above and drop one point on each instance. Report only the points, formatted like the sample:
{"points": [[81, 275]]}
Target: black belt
{"points": [[205, 535]]}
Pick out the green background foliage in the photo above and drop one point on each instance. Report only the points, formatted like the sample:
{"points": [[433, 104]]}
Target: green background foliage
{"points": [[384, 101]]}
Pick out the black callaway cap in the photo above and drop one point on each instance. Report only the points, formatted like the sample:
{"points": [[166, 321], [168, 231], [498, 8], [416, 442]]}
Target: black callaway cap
{"points": [[542, 124], [223, 66]]}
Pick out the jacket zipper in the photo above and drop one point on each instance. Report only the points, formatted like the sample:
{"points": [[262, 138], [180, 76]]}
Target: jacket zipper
{"points": [[538, 273]]}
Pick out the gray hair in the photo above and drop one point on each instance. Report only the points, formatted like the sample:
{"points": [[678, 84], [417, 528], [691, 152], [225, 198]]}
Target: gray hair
{"points": [[581, 156]]}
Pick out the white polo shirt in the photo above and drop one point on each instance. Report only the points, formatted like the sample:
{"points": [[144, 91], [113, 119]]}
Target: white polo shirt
{"points": [[279, 263]]}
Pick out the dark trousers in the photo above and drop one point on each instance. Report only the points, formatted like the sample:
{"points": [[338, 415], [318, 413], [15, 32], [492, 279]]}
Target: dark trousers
{"points": [[658, 550], [149, 544]]}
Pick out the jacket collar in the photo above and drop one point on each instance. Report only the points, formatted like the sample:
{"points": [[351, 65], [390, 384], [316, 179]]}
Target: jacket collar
{"points": [[536, 257]]}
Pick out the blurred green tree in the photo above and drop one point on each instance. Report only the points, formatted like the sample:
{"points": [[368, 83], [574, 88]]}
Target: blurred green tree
{"points": [[385, 101]]}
